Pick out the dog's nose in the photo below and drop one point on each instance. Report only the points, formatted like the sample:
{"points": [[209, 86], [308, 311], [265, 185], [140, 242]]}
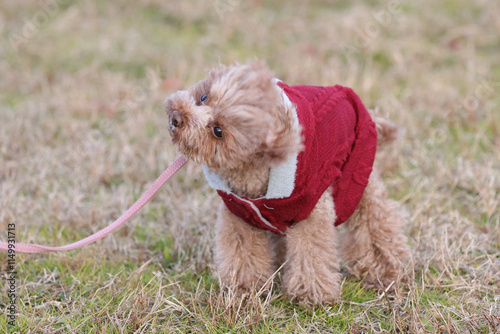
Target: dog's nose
{"points": [[176, 120]]}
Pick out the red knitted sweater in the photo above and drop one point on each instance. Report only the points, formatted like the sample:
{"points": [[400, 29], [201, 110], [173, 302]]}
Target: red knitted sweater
{"points": [[340, 141]]}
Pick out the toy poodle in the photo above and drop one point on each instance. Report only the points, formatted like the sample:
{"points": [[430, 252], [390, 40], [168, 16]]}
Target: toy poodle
{"points": [[290, 164]]}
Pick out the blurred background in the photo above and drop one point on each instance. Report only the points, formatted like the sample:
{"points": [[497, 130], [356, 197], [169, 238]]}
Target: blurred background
{"points": [[83, 132]]}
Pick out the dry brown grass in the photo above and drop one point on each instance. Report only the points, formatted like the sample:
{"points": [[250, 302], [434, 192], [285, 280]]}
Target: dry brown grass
{"points": [[83, 132]]}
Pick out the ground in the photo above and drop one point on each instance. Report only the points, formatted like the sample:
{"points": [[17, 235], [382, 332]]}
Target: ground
{"points": [[83, 133]]}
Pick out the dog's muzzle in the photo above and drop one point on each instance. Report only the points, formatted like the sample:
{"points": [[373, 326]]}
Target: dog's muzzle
{"points": [[176, 120]]}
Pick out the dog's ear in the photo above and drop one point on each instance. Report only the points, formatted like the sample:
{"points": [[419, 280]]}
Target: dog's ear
{"points": [[284, 139]]}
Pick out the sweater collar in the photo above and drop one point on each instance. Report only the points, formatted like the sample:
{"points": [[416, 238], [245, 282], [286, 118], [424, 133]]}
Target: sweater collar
{"points": [[281, 178]]}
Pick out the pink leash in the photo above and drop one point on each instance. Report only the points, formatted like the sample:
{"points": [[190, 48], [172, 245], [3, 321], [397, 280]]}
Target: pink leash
{"points": [[153, 189]]}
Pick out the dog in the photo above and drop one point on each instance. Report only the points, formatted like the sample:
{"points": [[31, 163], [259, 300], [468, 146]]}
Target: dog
{"points": [[290, 164]]}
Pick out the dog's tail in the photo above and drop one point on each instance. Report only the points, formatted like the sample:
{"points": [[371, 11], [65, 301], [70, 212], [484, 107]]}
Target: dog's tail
{"points": [[388, 135], [388, 132]]}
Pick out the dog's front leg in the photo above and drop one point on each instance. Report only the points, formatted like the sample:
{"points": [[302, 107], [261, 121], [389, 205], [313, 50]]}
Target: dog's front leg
{"points": [[242, 253], [312, 270]]}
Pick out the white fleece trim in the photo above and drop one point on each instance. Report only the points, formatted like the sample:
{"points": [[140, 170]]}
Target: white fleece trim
{"points": [[281, 178], [214, 180]]}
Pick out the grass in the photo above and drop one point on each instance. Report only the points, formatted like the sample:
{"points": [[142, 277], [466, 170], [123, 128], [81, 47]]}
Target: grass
{"points": [[83, 132]]}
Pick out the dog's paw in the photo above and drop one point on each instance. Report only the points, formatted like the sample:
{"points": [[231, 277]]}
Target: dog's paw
{"points": [[381, 268], [244, 274], [314, 289]]}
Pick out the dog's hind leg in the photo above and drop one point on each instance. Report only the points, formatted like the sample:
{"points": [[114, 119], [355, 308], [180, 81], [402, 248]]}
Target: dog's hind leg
{"points": [[373, 244]]}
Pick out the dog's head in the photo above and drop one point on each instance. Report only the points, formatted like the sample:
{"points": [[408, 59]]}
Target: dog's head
{"points": [[234, 117]]}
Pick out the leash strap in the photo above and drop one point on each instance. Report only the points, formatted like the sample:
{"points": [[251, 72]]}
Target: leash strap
{"points": [[153, 189]]}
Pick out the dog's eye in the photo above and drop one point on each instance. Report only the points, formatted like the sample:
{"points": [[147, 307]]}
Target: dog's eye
{"points": [[203, 98], [217, 132]]}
